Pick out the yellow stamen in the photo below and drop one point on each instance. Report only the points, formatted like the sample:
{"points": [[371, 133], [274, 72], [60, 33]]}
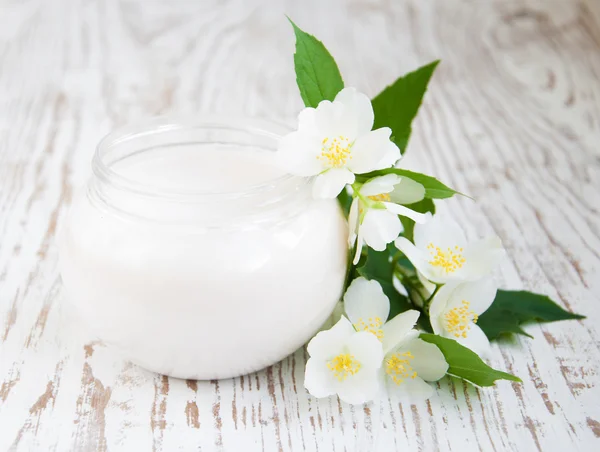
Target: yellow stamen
{"points": [[335, 152], [373, 325], [381, 197], [398, 367], [343, 365], [449, 260], [458, 320]]}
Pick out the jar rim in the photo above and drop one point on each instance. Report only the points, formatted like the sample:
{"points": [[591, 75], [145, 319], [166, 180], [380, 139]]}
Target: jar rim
{"points": [[162, 124]]}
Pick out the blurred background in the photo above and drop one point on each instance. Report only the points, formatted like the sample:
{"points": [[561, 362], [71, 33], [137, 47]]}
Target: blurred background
{"points": [[73, 70]]}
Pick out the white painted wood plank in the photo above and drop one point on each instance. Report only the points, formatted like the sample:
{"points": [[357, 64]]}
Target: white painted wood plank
{"points": [[512, 118]]}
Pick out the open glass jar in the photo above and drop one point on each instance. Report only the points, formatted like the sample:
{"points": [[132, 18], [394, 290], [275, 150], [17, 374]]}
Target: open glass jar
{"points": [[190, 252]]}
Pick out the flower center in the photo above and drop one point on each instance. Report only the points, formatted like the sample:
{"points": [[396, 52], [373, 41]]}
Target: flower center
{"points": [[398, 367], [382, 197], [449, 260], [373, 325], [458, 320], [335, 152], [343, 365]]}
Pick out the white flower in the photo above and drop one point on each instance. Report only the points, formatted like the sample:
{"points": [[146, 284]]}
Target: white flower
{"points": [[455, 309], [373, 217], [367, 306], [441, 252], [335, 141], [409, 361], [344, 362]]}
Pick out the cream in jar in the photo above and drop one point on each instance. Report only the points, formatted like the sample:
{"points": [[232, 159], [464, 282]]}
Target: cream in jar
{"points": [[194, 255]]}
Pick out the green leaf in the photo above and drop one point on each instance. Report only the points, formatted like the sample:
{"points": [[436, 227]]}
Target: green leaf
{"points": [[500, 322], [317, 74], [378, 266], [465, 363], [397, 105], [434, 189], [425, 205], [512, 308]]}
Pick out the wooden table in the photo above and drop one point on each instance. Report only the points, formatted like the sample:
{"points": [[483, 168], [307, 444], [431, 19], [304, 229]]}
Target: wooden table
{"points": [[512, 118]]}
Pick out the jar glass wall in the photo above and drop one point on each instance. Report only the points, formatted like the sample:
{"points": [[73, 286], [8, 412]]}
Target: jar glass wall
{"points": [[194, 255]]}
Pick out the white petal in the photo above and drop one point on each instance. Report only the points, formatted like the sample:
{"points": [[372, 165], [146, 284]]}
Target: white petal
{"points": [[297, 154], [353, 222], [407, 191], [330, 183], [443, 232], [428, 285], [328, 118], [399, 287], [360, 388], [439, 305], [365, 300], [482, 257], [359, 247], [391, 157], [327, 344], [367, 350], [428, 361], [307, 122], [318, 379], [382, 378], [411, 390], [335, 119], [417, 257], [358, 109], [396, 330], [379, 185], [370, 150], [476, 340], [406, 212], [380, 227], [412, 334], [480, 295]]}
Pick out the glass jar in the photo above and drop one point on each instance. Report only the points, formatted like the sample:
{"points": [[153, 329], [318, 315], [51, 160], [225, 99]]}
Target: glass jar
{"points": [[190, 252]]}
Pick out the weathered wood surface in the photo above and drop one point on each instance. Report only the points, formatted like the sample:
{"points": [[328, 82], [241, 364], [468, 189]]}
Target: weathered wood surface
{"points": [[512, 118]]}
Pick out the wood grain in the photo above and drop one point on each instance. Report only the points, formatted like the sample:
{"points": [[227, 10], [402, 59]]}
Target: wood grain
{"points": [[512, 118]]}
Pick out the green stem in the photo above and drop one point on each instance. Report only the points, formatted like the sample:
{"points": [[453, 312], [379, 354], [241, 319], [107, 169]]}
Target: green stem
{"points": [[399, 268], [410, 280], [405, 280], [406, 283], [361, 179], [396, 258], [427, 302]]}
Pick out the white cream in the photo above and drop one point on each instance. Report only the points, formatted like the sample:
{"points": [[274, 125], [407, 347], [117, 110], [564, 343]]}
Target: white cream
{"points": [[222, 287]]}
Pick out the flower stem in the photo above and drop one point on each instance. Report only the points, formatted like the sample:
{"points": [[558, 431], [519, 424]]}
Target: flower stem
{"points": [[428, 301], [407, 280], [396, 258]]}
